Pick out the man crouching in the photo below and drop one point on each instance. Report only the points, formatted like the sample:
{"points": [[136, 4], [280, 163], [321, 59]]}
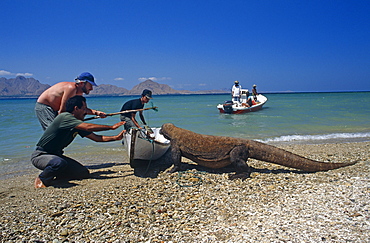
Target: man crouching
{"points": [[48, 155]]}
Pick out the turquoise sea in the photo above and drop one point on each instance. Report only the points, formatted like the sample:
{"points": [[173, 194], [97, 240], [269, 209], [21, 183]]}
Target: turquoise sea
{"points": [[305, 118]]}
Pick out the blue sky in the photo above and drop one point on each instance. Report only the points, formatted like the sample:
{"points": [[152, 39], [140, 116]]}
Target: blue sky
{"points": [[280, 45]]}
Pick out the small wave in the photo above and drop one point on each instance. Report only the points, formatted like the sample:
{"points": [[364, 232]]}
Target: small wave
{"points": [[332, 136]]}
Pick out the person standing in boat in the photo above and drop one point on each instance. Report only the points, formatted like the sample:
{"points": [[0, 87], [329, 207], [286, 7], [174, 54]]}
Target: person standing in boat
{"points": [[254, 92], [135, 104], [48, 155], [53, 100], [236, 91]]}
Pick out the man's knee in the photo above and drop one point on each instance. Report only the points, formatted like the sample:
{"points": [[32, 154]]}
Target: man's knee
{"points": [[76, 170], [41, 161]]}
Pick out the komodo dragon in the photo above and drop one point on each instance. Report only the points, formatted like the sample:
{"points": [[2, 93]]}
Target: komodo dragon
{"points": [[218, 151]]}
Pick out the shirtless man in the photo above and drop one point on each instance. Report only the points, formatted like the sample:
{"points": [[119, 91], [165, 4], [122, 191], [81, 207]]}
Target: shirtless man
{"points": [[53, 100]]}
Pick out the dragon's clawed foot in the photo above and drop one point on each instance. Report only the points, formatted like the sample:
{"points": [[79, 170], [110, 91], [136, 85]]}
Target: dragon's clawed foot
{"points": [[243, 176]]}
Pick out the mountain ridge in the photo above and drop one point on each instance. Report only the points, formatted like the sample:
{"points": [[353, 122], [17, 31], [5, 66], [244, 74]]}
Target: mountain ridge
{"points": [[22, 87]]}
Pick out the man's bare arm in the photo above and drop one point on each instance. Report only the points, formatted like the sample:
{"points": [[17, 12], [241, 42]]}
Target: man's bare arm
{"points": [[97, 128], [142, 117], [69, 91], [101, 138], [96, 113], [133, 115]]}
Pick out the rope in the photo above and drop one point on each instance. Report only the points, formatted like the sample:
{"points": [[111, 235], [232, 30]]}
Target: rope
{"points": [[190, 178], [151, 157], [154, 108], [150, 140]]}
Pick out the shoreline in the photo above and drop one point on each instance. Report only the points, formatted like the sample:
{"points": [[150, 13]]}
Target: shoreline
{"points": [[119, 204]]}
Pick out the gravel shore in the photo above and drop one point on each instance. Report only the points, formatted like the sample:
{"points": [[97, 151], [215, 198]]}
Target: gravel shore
{"points": [[120, 204]]}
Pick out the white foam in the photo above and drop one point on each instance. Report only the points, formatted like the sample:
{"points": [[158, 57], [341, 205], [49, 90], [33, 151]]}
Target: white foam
{"points": [[332, 136]]}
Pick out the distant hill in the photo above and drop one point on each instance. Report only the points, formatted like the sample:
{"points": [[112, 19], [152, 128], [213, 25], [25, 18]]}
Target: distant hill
{"points": [[30, 87], [21, 87], [156, 88], [108, 89], [164, 89]]}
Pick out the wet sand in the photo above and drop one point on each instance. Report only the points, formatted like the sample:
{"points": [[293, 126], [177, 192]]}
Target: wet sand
{"points": [[121, 204]]}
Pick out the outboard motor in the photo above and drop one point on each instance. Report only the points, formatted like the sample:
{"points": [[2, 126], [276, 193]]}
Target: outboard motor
{"points": [[228, 107]]}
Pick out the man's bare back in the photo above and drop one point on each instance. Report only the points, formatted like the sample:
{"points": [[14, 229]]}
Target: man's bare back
{"points": [[57, 95]]}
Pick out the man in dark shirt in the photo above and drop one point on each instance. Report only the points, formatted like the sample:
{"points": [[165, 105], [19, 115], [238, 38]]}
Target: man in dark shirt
{"points": [[135, 104], [48, 155]]}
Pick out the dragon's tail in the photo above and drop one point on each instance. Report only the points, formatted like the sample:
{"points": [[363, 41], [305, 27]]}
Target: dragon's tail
{"points": [[279, 156]]}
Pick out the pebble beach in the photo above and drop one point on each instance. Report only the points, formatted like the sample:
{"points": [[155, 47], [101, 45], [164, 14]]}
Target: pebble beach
{"points": [[147, 204]]}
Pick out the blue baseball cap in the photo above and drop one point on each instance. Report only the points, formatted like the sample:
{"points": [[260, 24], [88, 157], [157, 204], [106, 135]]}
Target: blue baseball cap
{"points": [[86, 77]]}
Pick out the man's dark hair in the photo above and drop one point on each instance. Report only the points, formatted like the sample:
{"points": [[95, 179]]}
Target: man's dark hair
{"points": [[75, 101]]}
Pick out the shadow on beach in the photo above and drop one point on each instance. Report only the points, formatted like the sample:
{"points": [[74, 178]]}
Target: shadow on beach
{"points": [[98, 175], [151, 169], [103, 166]]}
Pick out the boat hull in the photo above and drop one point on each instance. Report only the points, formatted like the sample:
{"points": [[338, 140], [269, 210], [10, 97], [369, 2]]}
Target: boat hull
{"points": [[240, 108], [141, 147]]}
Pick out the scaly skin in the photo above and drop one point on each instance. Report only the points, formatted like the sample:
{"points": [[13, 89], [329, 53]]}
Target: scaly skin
{"points": [[218, 151]]}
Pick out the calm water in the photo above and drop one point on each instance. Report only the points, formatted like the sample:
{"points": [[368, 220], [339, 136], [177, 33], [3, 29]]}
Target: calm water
{"points": [[286, 118]]}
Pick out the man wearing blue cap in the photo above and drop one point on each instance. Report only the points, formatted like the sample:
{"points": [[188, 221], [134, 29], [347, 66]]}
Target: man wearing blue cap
{"points": [[135, 104], [53, 100]]}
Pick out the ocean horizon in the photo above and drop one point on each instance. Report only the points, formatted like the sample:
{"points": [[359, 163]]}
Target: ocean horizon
{"points": [[286, 118], [195, 93]]}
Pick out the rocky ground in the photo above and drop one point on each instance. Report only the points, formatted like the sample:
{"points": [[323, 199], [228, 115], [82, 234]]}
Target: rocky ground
{"points": [[120, 204]]}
